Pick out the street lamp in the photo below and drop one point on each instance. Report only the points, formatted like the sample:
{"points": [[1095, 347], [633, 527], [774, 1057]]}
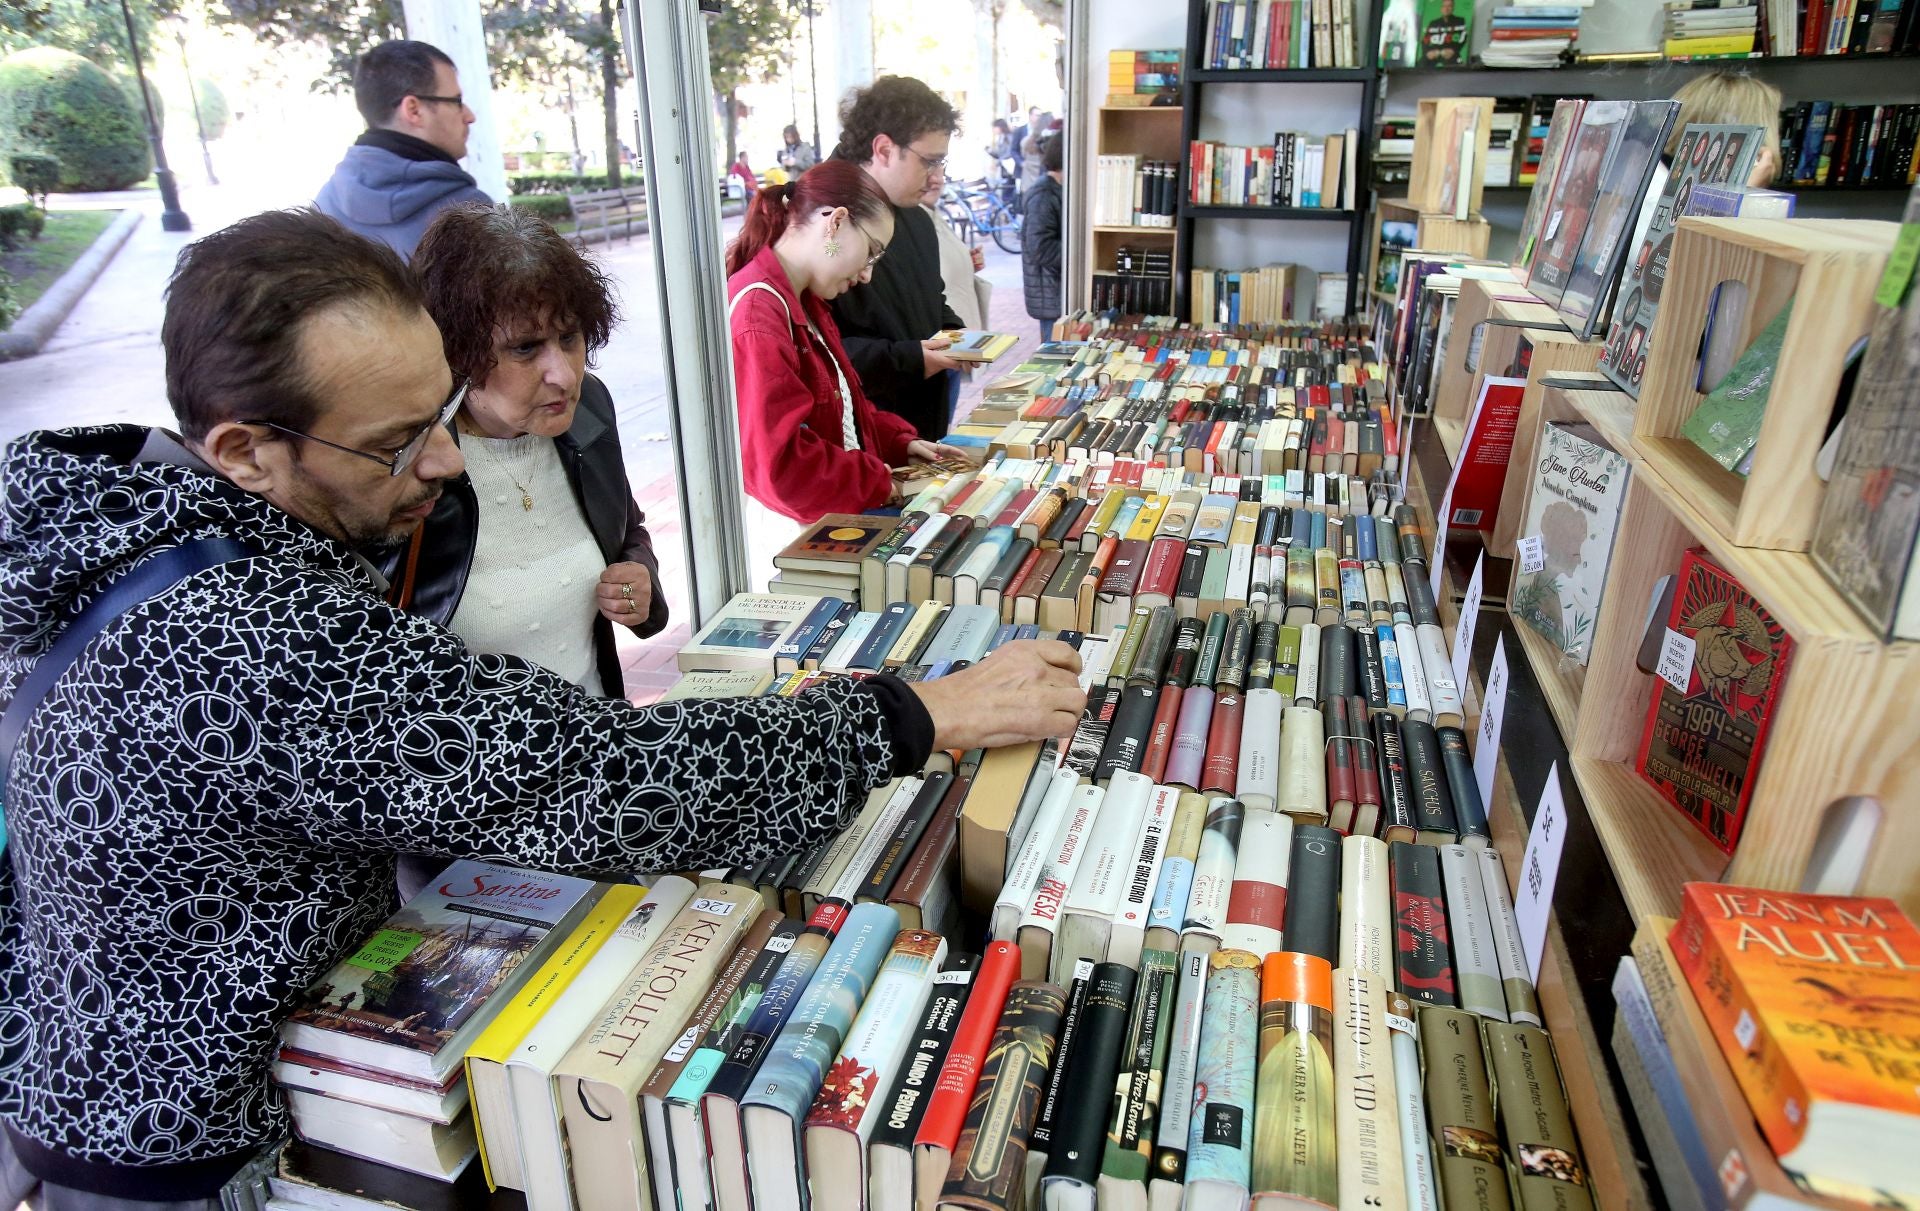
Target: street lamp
{"points": [[172, 218], [813, 78], [193, 91]]}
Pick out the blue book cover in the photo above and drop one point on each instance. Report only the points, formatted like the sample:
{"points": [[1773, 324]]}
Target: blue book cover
{"points": [[886, 631], [752, 1043], [1636, 1009], [786, 658], [1220, 1131]]}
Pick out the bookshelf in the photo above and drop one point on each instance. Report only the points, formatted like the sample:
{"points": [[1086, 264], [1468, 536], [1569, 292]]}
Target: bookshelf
{"points": [[1197, 80], [1149, 133]]}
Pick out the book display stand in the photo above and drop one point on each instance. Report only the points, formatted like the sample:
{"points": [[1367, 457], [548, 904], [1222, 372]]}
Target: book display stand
{"points": [[1146, 133], [1435, 232]]}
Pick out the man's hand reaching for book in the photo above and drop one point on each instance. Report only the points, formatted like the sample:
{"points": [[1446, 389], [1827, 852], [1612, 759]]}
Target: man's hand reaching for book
{"points": [[1028, 690]]}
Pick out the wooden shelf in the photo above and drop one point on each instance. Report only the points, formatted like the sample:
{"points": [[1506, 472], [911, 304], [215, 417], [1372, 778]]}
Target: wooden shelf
{"points": [[1651, 849], [1300, 213], [1140, 109], [1114, 229], [1653, 63], [1281, 75], [1560, 678]]}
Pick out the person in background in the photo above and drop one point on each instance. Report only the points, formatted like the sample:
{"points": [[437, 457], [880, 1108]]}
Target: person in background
{"points": [[1716, 98], [274, 726], [1033, 167], [898, 130], [1002, 151], [749, 183], [405, 168], [1026, 128], [958, 265], [795, 156], [538, 551], [810, 442], [1040, 239]]}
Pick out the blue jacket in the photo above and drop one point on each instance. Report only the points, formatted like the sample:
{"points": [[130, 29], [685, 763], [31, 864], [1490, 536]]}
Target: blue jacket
{"points": [[390, 197]]}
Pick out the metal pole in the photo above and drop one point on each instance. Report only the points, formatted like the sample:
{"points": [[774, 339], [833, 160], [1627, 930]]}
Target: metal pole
{"points": [[199, 123], [172, 218], [813, 84]]}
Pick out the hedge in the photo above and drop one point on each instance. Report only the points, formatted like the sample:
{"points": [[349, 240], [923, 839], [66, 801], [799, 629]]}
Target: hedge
{"points": [[525, 183], [215, 112], [37, 174], [22, 218], [550, 206], [55, 103]]}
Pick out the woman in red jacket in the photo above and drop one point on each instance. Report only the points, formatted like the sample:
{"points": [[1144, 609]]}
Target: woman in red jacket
{"points": [[810, 440]]}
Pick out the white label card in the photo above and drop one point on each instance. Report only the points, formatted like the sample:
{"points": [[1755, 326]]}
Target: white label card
{"points": [[719, 908], [1539, 870], [1533, 554], [1437, 557], [1469, 618], [1676, 660], [957, 976], [1493, 710], [781, 944]]}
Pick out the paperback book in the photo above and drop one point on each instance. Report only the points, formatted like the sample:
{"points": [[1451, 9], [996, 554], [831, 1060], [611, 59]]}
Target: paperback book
{"points": [[1579, 485]]}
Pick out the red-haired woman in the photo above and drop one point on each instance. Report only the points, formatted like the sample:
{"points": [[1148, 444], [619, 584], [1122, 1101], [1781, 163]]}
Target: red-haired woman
{"points": [[810, 441]]}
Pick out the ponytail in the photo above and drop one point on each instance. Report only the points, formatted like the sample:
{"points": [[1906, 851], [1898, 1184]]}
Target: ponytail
{"points": [[826, 186]]}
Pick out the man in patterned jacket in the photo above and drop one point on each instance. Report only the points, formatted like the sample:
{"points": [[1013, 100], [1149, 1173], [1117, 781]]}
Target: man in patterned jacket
{"points": [[203, 811]]}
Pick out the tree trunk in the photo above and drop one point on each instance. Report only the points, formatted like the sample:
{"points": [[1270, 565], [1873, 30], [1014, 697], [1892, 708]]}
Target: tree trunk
{"points": [[732, 102], [610, 89], [573, 127]]}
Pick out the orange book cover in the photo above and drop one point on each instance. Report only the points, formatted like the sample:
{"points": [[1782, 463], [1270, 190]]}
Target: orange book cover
{"points": [[946, 1111], [1815, 1001]]}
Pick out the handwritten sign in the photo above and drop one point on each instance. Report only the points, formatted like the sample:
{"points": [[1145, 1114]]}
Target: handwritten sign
{"points": [[385, 949], [1493, 710], [1533, 554], [1540, 870], [1469, 618], [1676, 660]]}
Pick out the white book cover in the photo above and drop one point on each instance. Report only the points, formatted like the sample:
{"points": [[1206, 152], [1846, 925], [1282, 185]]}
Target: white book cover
{"points": [[746, 633], [1142, 878], [1476, 962], [1307, 684], [1416, 1154], [1258, 770], [1055, 879], [1016, 893], [1413, 672], [1258, 903], [1367, 1121], [1366, 907], [1579, 486], [1522, 1004], [536, 1107], [1213, 870], [1101, 872], [1302, 793], [850, 642]]}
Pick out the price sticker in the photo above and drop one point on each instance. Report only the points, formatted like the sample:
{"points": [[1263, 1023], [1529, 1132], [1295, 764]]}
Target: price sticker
{"points": [[1676, 660], [1898, 274], [385, 949], [1533, 554], [718, 908]]}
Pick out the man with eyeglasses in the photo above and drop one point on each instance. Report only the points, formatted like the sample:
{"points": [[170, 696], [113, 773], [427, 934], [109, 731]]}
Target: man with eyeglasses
{"points": [[202, 809], [406, 167], [898, 129]]}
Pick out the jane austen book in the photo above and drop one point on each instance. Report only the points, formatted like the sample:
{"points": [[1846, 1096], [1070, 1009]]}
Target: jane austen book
{"points": [[1466, 1134], [1294, 1132], [1579, 486], [1701, 749], [1220, 1135], [1815, 1002], [989, 1162], [1543, 1156]]}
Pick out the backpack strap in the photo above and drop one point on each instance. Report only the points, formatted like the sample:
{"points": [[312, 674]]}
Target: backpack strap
{"points": [[150, 578]]}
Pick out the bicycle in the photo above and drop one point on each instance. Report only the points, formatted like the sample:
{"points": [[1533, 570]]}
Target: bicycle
{"points": [[973, 209]]}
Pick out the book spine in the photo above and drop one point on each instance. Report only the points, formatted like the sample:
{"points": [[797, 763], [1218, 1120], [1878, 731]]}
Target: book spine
{"points": [[1218, 775], [1313, 879], [1183, 1053], [1136, 1099], [1220, 1135], [1463, 788], [1187, 757], [989, 1161], [1475, 963], [1543, 1154], [905, 1106], [1427, 776], [1368, 1122], [1047, 1115], [1295, 1130], [1523, 1006], [1303, 777], [1257, 905], [1410, 1098], [1257, 779], [1460, 1106], [1423, 958], [1078, 1146], [1366, 912]]}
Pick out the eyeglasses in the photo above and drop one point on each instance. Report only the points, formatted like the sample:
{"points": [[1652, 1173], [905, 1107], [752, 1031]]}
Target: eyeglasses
{"points": [[404, 456], [933, 163], [874, 247], [455, 99]]}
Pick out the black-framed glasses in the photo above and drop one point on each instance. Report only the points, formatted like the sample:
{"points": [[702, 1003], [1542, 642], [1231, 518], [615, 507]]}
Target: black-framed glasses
{"points": [[933, 163], [455, 99], [401, 458]]}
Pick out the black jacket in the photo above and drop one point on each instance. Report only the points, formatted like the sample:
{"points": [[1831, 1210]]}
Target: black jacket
{"points": [[1040, 250], [883, 322], [429, 574]]}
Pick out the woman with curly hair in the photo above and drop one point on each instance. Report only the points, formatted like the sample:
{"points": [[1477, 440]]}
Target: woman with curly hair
{"points": [[539, 550]]}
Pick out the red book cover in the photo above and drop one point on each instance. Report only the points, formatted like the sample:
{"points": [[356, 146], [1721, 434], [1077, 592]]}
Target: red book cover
{"points": [[1166, 717], [946, 1111], [1011, 514], [1161, 574], [1701, 749], [1123, 574], [1079, 528], [1481, 472], [1220, 770], [960, 497]]}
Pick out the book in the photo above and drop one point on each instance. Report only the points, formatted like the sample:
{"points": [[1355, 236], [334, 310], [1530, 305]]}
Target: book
{"points": [[950, 1085], [310, 1175], [1701, 749], [1213, 873], [1168, 1182], [718, 683], [1078, 1147], [1809, 998], [1469, 1160], [1128, 934], [1423, 952], [1257, 905], [974, 346], [989, 1162], [416, 1145], [1103, 868], [1579, 488], [1726, 424], [370, 1087], [1313, 892], [890, 1151], [850, 1103], [1595, 271], [1294, 1120], [1705, 155], [1367, 1120], [1056, 878], [1560, 130], [1416, 1145], [1171, 891], [745, 634], [1543, 1155], [486, 1059], [412, 997], [837, 543], [599, 1079], [1220, 1134], [1476, 964], [1054, 1094], [1523, 1005], [1575, 194], [1138, 1085]]}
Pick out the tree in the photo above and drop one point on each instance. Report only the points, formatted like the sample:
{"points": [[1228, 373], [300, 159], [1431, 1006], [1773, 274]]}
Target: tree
{"points": [[92, 29], [746, 44], [346, 28]]}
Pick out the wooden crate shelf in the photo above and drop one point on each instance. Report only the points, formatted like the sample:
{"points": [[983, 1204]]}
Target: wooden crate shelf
{"points": [[1432, 233], [1434, 119], [1833, 266]]}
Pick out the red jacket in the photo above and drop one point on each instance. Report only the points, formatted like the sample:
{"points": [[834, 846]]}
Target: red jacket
{"points": [[790, 434]]}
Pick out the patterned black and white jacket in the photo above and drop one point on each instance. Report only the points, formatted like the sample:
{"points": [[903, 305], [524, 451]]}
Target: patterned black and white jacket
{"points": [[204, 811]]}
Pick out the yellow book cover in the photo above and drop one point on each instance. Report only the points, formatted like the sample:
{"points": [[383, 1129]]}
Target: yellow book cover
{"points": [[485, 1076]]}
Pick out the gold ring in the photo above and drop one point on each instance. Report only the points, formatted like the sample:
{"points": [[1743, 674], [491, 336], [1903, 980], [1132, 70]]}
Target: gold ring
{"points": [[626, 590]]}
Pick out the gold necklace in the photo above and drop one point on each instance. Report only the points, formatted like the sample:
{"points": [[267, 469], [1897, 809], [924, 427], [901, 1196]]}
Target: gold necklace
{"points": [[526, 497]]}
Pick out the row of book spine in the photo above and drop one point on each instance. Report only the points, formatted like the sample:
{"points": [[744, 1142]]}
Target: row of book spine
{"points": [[1823, 143], [1130, 193], [1279, 34], [1296, 170]]}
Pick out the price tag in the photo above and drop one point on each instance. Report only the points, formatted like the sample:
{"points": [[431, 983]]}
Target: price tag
{"points": [[1533, 554], [1493, 710], [1676, 660], [959, 975], [717, 908], [780, 945], [1539, 870], [1900, 265], [385, 949], [1403, 1025], [1469, 618]]}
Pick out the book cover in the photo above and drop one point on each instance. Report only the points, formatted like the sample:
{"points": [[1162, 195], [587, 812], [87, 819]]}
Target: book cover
{"points": [[838, 542], [1476, 963], [1257, 905], [1480, 475], [1213, 871], [1416, 1144], [989, 1161], [1445, 33], [745, 634], [1726, 424], [1543, 1156], [1313, 892], [1294, 1116], [1702, 748], [1423, 952], [1469, 1160], [1579, 486], [1814, 1001], [1183, 1057], [1560, 129], [1706, 155], [1601, 125], [1221, 1127], [718, 683], [1623, 187], [1366, 908], [1367, 1121], [1138, 1086], [410, 998], [948, 1087], [1079, 1136]]}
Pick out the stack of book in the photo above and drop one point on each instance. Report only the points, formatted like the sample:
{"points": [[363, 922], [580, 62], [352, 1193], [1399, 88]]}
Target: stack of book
{"points": [[1274, 294], [1255, 35], [1128, 192], [826, 556], [1143, 78], [1506, 141], [1532, 35], [1708, 28], [371, 1060], [1393, 154]]}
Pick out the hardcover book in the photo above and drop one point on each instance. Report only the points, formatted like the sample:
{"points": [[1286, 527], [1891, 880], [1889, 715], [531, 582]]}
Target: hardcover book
{"points": [[1579, 486], [890, 1153], [1367, 1135], [1706, 155], [1423, 954], [1623, 187], [989, 1162], [1813, 1000], [1565, 121], [746, 633], [1078, 1146], [1543, 1156], [946, 1089], [838, 542], [1701, 749], [1220, 1133], [1471, 1164], [1294, 1119], [1138, 1086], [413, 996], [1726, 424], [1575, 195]]}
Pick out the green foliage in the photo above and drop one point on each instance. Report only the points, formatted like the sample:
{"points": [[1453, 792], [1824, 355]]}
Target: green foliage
{"points": [[9, 305], [215, 113], [748, 42], [39, 175], [130, 84], [550, 206], [346, 28], [528, 184], [22, 220], [54, 102], [92, 29]]}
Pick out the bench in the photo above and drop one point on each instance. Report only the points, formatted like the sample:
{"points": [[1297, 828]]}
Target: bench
{"points": [[603, 209]]}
